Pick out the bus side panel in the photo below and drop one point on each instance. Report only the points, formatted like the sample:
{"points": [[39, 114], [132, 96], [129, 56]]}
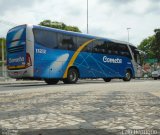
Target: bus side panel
{"points": [[84, 64], [96, 65], [50, 63]]}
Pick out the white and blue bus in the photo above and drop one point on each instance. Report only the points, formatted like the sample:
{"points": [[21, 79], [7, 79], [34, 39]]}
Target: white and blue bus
{"points": [[37, 52]]}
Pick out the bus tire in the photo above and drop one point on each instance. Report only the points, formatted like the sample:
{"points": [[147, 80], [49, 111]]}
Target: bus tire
{"points": [[155, 78], [51, 81], [107, 79], [128, 76], [72, 76]]}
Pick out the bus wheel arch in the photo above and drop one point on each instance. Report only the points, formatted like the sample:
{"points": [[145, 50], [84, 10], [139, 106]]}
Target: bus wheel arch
{"points": [[128, 75], [72, 75]]}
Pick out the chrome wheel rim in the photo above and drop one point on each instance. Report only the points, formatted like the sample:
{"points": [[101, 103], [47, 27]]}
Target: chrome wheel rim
{"points": [[128, 75], [73, 76]]}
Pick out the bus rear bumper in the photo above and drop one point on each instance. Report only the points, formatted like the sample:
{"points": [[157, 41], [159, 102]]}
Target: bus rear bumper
{"points": [[23, 73]]}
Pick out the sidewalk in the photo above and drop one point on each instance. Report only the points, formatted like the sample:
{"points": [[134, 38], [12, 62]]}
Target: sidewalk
{"points": [[14, 81]]}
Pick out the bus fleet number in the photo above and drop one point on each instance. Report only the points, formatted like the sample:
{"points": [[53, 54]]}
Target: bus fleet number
{"points": [[41, 51]]}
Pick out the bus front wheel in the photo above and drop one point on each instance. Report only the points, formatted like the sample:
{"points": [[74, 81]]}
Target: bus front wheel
{"points": [[51, 81], [128, 76], [107, 79], [72, 76]]}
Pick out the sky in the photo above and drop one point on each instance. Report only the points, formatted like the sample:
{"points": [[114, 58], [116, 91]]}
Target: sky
{"points": [[107, 18]]}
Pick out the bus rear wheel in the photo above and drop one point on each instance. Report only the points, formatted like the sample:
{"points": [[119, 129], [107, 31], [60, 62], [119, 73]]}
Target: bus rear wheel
{"points": [[51, 81], [72, 76], [155, 78], [128, 76], [107, 79]]}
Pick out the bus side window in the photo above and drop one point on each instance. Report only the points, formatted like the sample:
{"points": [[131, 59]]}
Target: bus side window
{"points": [[45, 38], [99, 47], [104, 47], [60, 42], [96, 47], [115, 49], [81, 41], [66, 42], [109, 48], [124, 51], [88, 48], [72, 43]]}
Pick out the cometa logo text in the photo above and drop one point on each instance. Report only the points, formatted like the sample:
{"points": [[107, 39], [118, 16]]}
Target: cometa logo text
{"points": [[16, 60], [112, 60]]}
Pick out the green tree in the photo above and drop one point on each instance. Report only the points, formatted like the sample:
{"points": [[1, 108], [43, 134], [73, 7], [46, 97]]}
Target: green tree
{"points": [[147, 46], [151, 45], [59, 25], [156, 46]]}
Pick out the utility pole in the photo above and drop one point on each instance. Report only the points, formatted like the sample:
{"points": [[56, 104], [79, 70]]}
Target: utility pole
{"points": [[2, 44], [87, 17], [128, 34]]}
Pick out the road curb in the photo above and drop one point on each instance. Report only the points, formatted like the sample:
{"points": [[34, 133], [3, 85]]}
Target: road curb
{"points": [[19, 82]]}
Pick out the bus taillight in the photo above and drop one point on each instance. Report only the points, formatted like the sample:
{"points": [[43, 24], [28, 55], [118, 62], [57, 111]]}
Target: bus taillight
{"points": [[28, 60]]}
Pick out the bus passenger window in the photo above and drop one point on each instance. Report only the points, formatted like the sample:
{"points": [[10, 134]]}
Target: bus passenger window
{"points": [[109, 48], [81, 41], [66, 42], [99, 47], [45, 38], [88, 48], [124, 51]]}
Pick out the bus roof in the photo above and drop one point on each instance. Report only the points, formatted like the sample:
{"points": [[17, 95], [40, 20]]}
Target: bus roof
{"points": [[75, 33]]}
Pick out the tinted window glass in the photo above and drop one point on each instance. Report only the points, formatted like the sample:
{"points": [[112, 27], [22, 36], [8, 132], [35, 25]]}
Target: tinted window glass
{"points": [[66, 42], [114, 48], [45, 38], [81, 41], [110, 48], [88, 48], [99, 47], [135, 52], [124, 51]]}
